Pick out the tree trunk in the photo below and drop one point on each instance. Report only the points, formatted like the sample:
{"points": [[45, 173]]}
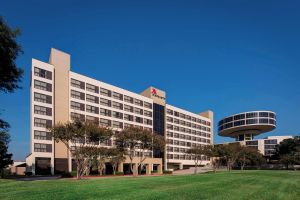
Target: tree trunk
{"points": [[77, 170]]}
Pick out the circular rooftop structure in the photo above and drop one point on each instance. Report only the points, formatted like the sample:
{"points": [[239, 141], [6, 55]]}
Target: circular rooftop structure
{"points": [[244, 126]]}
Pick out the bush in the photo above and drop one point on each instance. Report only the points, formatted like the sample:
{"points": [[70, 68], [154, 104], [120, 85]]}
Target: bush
{"points": [[167, 172], [154, 172], [66, 175], [28, 173], [73, 173], [119, 173]]}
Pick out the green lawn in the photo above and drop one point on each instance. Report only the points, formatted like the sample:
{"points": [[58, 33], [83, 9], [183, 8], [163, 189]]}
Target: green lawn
{"points": [[235, 185]]}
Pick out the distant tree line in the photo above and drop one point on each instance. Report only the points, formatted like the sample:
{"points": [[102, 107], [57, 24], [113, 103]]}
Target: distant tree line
{"points": [[230, 155], [239, 156]]}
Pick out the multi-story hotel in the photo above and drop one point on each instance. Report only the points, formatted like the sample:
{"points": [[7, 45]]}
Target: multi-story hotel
{"points": [[60, 95], [244, 126]]}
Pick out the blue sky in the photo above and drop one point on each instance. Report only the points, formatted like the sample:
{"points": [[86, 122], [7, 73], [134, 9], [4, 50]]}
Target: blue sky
{"points": [[227, 56]]}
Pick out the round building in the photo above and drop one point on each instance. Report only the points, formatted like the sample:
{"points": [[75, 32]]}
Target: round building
{"points": [[246, 125]]}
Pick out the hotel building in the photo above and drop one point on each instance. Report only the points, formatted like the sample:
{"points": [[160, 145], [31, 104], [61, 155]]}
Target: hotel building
{"points": [[244, 126], [60, 95]]}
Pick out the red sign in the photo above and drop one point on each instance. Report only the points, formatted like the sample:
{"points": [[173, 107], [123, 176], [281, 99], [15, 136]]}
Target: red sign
{"points": [[153, 91]]}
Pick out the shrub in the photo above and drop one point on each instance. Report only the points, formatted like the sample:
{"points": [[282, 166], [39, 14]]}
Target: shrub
{"points": [[154, 172], [73, 173], [66, 175], [167, 172], [28, 173], [119, 173]]}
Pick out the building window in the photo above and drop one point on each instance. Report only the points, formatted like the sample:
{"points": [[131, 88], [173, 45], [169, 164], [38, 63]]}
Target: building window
{"points": [[77, 116], [77, 84], [92, 109], [42, 86], [147, 105], [272, 115], [118, 96], [272, 141], [42, 98], [254, 142], [39, 147], [92, 88], [42, 73], [105, 122], [263, 114], [138, 102], [117, 115], [77, 95], [77, 106], [105, 112], [128, 117], [249, 121], [128, 108], [264, 120], [128, 99], [138, 111], [117, 124], [45, 123], [170, 112], [92, 119], [170, 156], [42, 135], [139, 120], [147, 113], [117, 105], [105, 102], [105, 92], [159, 119], [91, 98], [42, 110], [251, 115], [147, 121]]}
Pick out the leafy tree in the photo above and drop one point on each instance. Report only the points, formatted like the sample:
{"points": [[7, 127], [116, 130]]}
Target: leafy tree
{"points": [[102, 155], [213, 153], [137, 142], [10, 77], [116, 157], [5, 158], [248, 155], [229, 152], [288, 151], [10, 74], [81, 138], [197, 154]]}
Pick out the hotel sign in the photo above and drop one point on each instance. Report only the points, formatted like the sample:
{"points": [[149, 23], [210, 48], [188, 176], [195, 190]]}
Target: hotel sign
{"points": [[155, 94]]}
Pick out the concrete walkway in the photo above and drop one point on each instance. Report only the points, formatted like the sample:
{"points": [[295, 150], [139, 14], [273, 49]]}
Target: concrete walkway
{"points": [[192, 170]]}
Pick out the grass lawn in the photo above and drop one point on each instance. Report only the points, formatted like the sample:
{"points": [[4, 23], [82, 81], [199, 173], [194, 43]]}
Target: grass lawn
{"points": [[255, 185]]}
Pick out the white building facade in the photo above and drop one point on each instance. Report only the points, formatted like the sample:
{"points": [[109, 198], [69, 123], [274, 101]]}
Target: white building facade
{"points": [[59, 95]]}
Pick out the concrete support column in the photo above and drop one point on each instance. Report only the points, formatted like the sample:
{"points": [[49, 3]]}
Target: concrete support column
{"points": [[120, 167], [33, 166], [180, 166], [70, 163], [135, 169], [159, 169], [148, 169], [52, 166]]}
